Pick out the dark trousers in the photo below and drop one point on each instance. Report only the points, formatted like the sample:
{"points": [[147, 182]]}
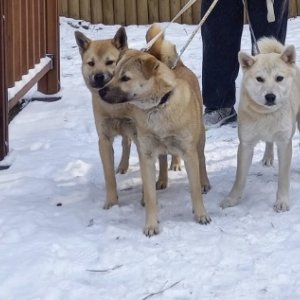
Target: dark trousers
{"points": [[221, 36]]}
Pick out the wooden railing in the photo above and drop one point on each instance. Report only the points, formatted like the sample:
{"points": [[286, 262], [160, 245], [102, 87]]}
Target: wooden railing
{"points": [[29, 54]]}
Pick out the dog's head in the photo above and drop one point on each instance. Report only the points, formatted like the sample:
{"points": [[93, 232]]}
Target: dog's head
{"points": [[99, 57], [139, 79], [268, 77]]}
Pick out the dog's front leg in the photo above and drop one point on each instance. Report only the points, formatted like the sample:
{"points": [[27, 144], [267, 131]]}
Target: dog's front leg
{"points": [[107, 157], [147, 164], [284, 161], [191, 162], [244, 159]]}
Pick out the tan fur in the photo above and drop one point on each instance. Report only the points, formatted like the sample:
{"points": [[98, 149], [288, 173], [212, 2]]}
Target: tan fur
{"points": [[167, 112], [268, 111], [99, 59], [166, 52]]}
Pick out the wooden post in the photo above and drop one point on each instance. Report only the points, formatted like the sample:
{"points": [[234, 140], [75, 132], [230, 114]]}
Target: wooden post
{"points": [[3, 87], [130, 12], [164, 11], [97, 11], [142, 9], [50, 84]]}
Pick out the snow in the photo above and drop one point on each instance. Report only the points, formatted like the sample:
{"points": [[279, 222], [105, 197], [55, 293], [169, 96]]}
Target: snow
{"points": [[57, 243]]}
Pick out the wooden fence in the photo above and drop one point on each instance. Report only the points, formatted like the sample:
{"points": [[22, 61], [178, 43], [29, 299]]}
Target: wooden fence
{"points": [[29, 54], [126, 12]]}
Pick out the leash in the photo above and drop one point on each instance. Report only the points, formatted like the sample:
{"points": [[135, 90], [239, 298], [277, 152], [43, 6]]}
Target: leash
{"points": [[250, 27], [208, 12], [185, 8]]}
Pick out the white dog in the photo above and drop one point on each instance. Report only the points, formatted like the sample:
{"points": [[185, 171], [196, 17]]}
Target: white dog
{"points": [[268, 111]]}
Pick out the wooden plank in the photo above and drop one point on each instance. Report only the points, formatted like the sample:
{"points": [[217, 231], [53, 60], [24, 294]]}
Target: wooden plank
{"points": [[4, 142], [50, 83], [187, 17], [17, 50], [85, 10], [24, 37], [153, 11], [164, 11], [298, 7], [37, 28], [108, 12], [142, 9], [174, 9], [74, 9], [63, 8], [42, 31], [131, 12], [292, 8], [196, 12], [97, 11], [10, 44], [119, 12], [30, 28]]}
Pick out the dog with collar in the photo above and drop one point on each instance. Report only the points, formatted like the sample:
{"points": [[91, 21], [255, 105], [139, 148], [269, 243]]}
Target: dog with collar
{"points": [[167, 111]]}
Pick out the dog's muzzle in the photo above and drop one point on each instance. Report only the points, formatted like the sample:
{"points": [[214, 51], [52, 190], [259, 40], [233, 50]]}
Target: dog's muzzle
{"points": [[270, 99]]}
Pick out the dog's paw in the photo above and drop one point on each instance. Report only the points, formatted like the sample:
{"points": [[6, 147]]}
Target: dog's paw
{"points": [[281, 206], [205, 188], [267, 161], [109, 204], [228, 202], [161, 184], [151, 229], [175, 167], [122, 169], [204, 219]]}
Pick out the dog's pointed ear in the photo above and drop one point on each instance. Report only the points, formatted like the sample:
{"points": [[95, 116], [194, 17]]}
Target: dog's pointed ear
{"points": [[120, 39], [289, 55], [149, 66], [82, 41], [246, 61]]}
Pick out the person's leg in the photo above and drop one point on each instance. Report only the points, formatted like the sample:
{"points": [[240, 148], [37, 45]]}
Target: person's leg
{"points": [[261, 26], [221, 36]]}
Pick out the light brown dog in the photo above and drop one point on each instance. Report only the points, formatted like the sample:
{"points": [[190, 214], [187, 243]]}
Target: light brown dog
{"points": [[166, 52], [167, 113], [99, 59]]}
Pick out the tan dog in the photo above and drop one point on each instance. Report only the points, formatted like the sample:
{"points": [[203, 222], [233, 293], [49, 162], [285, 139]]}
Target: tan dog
{"points": [[167, 112], [166, 52], [268, 111], [99, 59]]}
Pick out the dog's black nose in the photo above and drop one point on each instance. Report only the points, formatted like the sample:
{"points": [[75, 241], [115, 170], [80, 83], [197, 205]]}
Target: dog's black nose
{"points": [[99, 79], [103, 92], [270, 99]]}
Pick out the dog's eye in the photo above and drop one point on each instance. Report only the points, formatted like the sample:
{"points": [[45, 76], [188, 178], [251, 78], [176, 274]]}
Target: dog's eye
{"points": [[91, 63], [279, 78], [109, 62], [260, 79], [125, 78]]}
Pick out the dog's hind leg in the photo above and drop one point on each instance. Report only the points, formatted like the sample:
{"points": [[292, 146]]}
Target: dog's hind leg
{"points": [[205, 184], [284, 160], [175, 163], [192, 167], [268, 158], [162, 181], [107, 157], [124, 163]]}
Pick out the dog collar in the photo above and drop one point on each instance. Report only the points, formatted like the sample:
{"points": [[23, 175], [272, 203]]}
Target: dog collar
{"points": [[165, 98]]}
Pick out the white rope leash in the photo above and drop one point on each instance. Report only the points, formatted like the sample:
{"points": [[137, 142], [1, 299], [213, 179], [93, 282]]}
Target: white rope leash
{"points": [[208, 12], [185, 8]]}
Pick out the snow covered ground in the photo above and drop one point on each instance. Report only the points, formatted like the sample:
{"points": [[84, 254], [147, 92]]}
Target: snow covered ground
{"points": [[57, 243]]}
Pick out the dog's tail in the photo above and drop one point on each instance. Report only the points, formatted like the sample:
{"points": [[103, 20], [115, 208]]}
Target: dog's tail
{"points": [[270, 45], [162, 49]]}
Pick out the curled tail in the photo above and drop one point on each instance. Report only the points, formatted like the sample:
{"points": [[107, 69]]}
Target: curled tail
{"points": [[270, 45], [162, 49]]}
